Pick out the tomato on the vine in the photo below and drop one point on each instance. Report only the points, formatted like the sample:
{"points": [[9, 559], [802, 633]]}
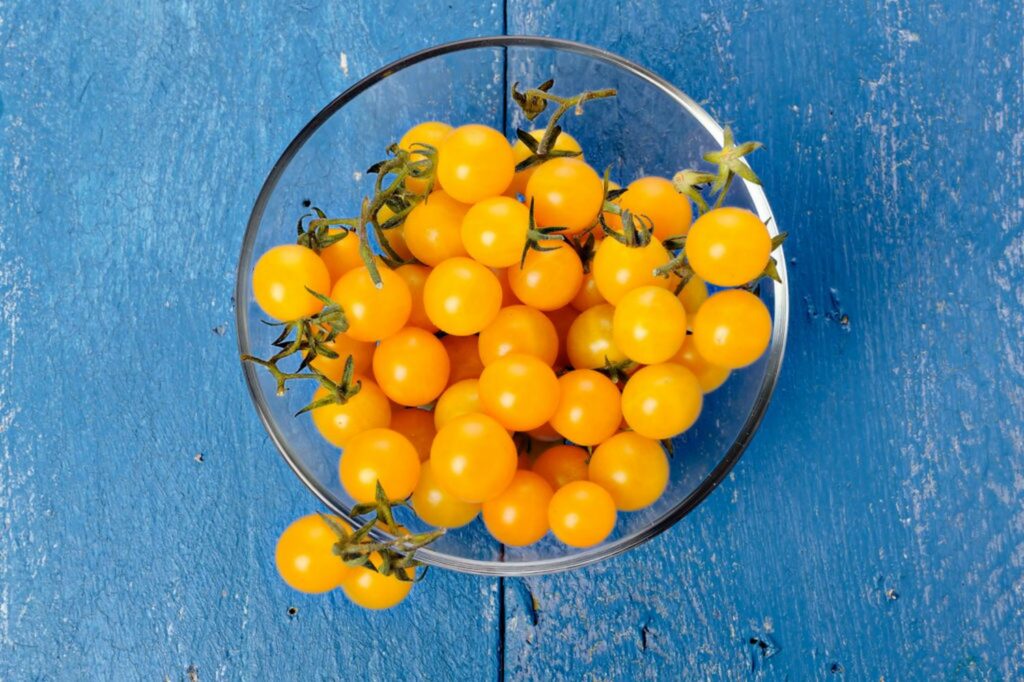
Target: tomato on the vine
{"points": [[590, 342], [633, 469], [345, 346], [438, 507], [548, 279], [565, 192], [342, 255], [411, 367], [432, 133], [563, 143], [728, 246], [372, 590], [657, 200], [367, 409], [373, 312], [281, 278], [305, 558], [732, 329], [475, 162], [494, 231], [433, 228], [518, 516], [379, 455], [662, 401], [618, 268]]}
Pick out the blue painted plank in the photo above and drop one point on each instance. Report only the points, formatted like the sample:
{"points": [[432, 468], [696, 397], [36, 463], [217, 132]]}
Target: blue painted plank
{"points": [[875, 526], [132, 145]]}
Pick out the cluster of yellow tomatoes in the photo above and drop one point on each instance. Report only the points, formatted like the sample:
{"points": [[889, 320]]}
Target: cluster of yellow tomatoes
{"points": [[471, 349]]}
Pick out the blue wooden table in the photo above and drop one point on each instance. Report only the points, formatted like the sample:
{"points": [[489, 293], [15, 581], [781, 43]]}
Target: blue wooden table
{"points": [[874, 529]]}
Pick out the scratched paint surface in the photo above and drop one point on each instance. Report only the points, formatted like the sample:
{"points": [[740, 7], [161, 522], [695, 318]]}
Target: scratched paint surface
{"points": [[874, 528]]}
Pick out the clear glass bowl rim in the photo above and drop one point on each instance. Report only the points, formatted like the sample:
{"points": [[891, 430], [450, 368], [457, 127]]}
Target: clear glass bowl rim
{"points": [[585, 557]]}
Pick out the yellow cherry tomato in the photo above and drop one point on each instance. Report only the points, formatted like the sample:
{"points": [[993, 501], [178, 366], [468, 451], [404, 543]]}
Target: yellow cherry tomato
{"points": [[461, 296], [547, 280], [395, 236], [367, 409], [728, 246], [380, 455], [494, 231], [475, 162], [662, 401], [588, 296], [649, 325], [561, 465], [581, 514], [562, 318], [518, 516], [459, 399], [373, 313], [372, 590], [305, 558], [432, 133], [415, 277], [433, 228], [590, 343], [563, 143], [633, 469], [519, 329], [280, 280], [565, 192], [417, 425], [709, 376], [438, 507], [519, 391], [732, 329], [341, 256], [463, 356], [692, 296], [657, 200], [411, 367], [473, 458], [508, 297], [618, 269], [589, 407], [345, 346]]}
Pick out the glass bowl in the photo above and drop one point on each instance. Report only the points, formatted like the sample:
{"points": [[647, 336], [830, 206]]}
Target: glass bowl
{"points": [[651, 128]]}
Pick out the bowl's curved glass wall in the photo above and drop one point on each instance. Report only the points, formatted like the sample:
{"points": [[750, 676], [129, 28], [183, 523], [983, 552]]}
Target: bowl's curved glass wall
{"points": [[648, 129]]}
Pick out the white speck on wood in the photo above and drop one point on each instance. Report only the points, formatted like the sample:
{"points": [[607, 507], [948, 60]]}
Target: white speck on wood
{"points": [[343, 63]]}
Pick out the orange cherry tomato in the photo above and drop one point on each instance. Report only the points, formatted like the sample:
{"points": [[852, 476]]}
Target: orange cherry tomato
{"points": [[618, 269], [662, 401], [732, 329], [418, 426], [432, 133], [367, 409], [475, 162], [411, 367], [494, 231], [693, 296], [395, 236], [590, 343], [547, 280], [562, 318], [459, 399], [589, 407], [565, 192], [345, 346], [473, 458], [375, 591], [518, 516], [728, 246], [438, 507], [341, 256], [519, 329], [415, 277], [380, 455], [588, 296], [280, 280], [581, 514], [633, 469], [561, 465], [519, 391], [508, 297], [462, 296], [709, 376], [305, 558], [656, 199], [373, 313], [563, 143], [649, 325], [463, 356], [433, 228]]}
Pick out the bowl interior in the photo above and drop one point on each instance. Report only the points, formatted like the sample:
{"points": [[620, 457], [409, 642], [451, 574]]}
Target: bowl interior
{"points": [[648, 129]]}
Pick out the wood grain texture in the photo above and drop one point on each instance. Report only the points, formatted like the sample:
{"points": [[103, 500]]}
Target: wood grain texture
{"points": [[875, 528], [132, 145]]}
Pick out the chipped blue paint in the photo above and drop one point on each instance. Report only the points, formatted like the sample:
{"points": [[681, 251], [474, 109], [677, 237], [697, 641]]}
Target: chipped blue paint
{"points": [[874, 528]]}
